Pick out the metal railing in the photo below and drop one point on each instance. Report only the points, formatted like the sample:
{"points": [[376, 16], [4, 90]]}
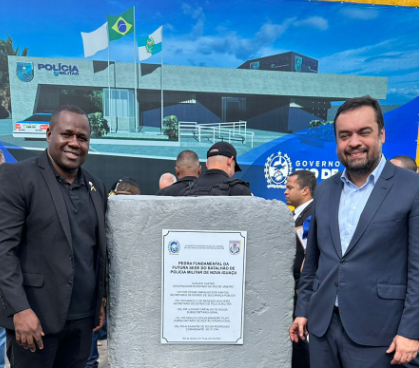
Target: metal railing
{"points": [[217, 131]]}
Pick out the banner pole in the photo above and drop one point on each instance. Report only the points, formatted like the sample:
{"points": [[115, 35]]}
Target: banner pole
{"points": [[161, 85], [109, 86]]}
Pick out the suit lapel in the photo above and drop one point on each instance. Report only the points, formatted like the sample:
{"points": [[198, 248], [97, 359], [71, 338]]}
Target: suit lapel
{"points": [[56, 195], [377, 196], [334, 200], [301, 215]]}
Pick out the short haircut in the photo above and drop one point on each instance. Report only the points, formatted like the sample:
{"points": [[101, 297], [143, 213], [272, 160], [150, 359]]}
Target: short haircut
{"points": [[2, 159], [127, 185], [187, 160], [305, 178], [407, 162], [357, 102], [70, 108]]}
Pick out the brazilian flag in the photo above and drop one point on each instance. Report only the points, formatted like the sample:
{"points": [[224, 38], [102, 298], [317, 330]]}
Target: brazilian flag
{"points": [[121, 25]]}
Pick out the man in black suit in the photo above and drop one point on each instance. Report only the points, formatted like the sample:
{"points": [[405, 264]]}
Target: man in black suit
{"points": [[52, 250], [299, 194]]}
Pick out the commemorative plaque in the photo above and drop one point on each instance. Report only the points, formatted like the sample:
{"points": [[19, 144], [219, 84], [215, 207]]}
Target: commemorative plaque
{"points": [[203, 278]]}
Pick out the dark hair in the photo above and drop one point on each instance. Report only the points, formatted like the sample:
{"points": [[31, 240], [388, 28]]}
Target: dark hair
{"points": [[70, 108], [187, 157], [126, 185], [407, 162], [305, 178], [357, 102]]}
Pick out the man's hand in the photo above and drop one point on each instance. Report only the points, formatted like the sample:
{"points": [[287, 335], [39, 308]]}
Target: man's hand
{"points": [[298, 329], [404, 349], [28, 330], [102, 316]]}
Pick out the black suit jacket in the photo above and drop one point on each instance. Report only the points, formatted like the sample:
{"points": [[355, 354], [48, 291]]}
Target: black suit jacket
{"points": [[299, 255], [36, 256]]}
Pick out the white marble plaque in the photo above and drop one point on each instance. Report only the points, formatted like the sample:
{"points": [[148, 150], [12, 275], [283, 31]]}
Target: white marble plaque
{"points": [[203, 278]]}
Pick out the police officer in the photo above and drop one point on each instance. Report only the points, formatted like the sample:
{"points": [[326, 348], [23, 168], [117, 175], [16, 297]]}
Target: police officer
{"points": [[187, 169], [218, 180]]}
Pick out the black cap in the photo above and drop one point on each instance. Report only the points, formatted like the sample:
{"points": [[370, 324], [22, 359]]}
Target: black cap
{"points": [[224, 149]]}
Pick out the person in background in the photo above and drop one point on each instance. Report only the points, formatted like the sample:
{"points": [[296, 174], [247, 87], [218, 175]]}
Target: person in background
{"points": [[405, 161], [218, 179], [299, 194], [188, 169], [166, 180], [127, 186]]}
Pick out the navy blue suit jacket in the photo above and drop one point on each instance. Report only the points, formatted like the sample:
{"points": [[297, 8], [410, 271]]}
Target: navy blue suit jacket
{"points": [[377, 279]]}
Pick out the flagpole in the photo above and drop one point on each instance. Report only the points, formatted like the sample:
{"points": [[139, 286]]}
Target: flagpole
{"points": [[161, 84], [109, 86], [137, 127]]}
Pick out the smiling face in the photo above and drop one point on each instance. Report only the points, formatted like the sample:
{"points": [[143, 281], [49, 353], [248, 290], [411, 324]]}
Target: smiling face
{"points": [[68, 140], [359, 142]]}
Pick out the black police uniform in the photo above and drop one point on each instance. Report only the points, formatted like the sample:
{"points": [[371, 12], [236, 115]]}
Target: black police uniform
{"points": [[217, 183], [178, 188]]}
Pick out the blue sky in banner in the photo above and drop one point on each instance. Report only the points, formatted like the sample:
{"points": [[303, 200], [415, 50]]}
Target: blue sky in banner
{"points": [[345, 38]]}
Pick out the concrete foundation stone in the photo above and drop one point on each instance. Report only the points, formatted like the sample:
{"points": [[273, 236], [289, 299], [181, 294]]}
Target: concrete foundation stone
{"points": [[135, 226]]}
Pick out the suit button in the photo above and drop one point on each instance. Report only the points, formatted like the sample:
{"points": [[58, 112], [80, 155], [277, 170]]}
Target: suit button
{"points": [[342, 261], [336, 284], [69, 283]]}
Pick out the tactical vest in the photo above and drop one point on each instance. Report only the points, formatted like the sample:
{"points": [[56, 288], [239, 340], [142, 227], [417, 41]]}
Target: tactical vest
{"points": [[222, 189]]}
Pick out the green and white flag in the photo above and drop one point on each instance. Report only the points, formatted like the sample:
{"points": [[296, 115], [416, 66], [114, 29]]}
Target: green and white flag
{"points": [[150, 45], [121, 25]]}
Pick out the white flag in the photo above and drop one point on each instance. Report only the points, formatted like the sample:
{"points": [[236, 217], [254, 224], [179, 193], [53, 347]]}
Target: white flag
{"points": [[150, 45], [95, 41]]}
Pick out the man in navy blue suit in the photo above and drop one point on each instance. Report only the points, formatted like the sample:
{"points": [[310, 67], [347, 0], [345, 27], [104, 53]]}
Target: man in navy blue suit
{"points": [[359, 290]]}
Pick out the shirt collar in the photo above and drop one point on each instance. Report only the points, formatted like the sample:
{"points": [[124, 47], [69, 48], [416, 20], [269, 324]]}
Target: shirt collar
{"points": [[372, 177], [301, 208], [80, 177]]}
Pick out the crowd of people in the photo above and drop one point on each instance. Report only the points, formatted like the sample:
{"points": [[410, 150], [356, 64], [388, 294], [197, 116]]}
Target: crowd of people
{"points": [[355, 270]]}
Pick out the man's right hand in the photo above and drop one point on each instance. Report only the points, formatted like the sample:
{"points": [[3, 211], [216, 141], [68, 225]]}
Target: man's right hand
{"points": [[28, 330], [298, 329]]}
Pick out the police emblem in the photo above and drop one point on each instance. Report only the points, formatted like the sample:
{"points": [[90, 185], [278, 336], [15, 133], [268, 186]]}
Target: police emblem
{"points": [[174, 247], [277, 169], [234, 247], [149, 46], [24, 71]]}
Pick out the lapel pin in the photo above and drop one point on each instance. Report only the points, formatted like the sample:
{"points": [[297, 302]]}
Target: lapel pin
{"points": [[92, 187]]}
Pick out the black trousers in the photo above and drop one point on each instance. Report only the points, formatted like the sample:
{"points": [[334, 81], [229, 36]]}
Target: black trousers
{"points": [[69, 348]]}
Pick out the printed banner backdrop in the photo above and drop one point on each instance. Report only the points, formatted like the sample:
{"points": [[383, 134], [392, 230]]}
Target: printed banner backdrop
{"points": [[315, 149], [270, 85]]}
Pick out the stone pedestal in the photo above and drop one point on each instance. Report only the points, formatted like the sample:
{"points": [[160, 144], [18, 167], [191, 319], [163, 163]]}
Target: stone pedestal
{"points": [[135, 226]]}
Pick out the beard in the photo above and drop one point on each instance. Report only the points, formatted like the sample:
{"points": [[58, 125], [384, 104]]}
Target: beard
{"points": [[362, 166]]}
